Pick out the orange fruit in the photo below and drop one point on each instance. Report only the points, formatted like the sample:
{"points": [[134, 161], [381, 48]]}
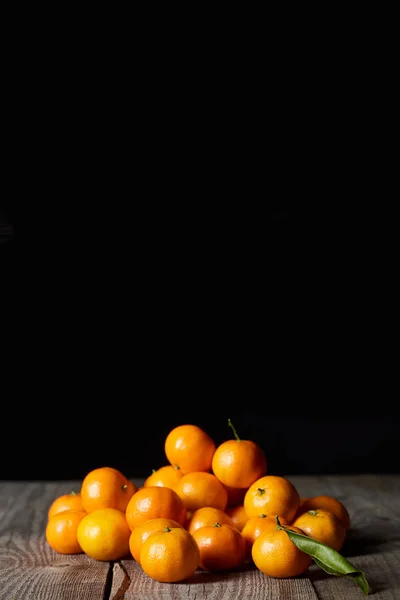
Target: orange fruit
{"points": [[140, 534], [198, 489], [154, 502], [238, 463], [170, 555], [104, 534], [189, 447], [255, 526], [272, 495], [207, 515], [238, 515], [106, 487], [167, 476], [330, 504], [275, 554], [323, 526], [69, 501], [61, 531], [222, 547]]}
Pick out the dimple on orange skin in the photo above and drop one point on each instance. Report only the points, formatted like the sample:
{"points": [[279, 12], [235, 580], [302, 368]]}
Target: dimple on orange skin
{"points": [[222, 547], [170, 556], [272, 495], [275, 555], [106, 487], [189, 447]]}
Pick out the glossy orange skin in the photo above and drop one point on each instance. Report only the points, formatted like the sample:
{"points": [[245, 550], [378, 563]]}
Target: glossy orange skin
{"points": [[69, 501], [222, 548], [198, 489], [189, 447], [238, 515], [275, 555], [207, 515], [154, 502], [239, 463], [104, 534], [272, 495], [170, 556], [106, 487], [61, 531], [323, 526], [255, 526], [166, 476], [330, 504], [140, 533]]}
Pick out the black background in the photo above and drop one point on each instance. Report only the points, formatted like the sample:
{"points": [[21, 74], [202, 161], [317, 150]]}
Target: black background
{"points": [[120, 323]]}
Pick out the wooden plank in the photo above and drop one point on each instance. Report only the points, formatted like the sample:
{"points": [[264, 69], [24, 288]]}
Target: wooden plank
{"points": [[248, 583], [29, 568]]}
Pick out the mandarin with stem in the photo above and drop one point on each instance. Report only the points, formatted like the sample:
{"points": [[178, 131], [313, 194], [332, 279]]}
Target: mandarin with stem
{"points": [[170, 555], [238, 463], [222, 547]]}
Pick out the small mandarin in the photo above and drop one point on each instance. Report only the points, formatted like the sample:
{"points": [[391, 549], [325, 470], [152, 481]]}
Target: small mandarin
{"points": [[189, 447], [170, 555], [330, 504], [106, 487], [222, 547], [198, 489], [207, 515], [140, 533], [323, 526], [257, 525], [275, 555], [238, 463], [61, 531], [272, 495], [69, 501], [167, 476], [104, 534], [153, 502]]}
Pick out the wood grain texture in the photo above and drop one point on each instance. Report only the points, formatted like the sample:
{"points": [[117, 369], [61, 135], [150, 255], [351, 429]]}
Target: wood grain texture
{"points": [[29, 569]]}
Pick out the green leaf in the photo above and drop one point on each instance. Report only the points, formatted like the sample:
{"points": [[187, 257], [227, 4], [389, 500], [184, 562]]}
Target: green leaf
{"points": [[327, 558]]}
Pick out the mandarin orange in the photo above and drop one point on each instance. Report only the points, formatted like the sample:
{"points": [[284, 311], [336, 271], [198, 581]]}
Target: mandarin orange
{"points": [[238, 463], [153, 502], [106, 487], [272, 495], [190, 448], [170, 555]]}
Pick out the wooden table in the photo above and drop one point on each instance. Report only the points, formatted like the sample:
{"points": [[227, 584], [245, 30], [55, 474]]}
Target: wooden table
{"points": [[31, 570]]}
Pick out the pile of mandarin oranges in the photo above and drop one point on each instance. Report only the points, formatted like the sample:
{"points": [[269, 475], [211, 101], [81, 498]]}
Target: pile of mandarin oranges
{"points": [[210, 507]]}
